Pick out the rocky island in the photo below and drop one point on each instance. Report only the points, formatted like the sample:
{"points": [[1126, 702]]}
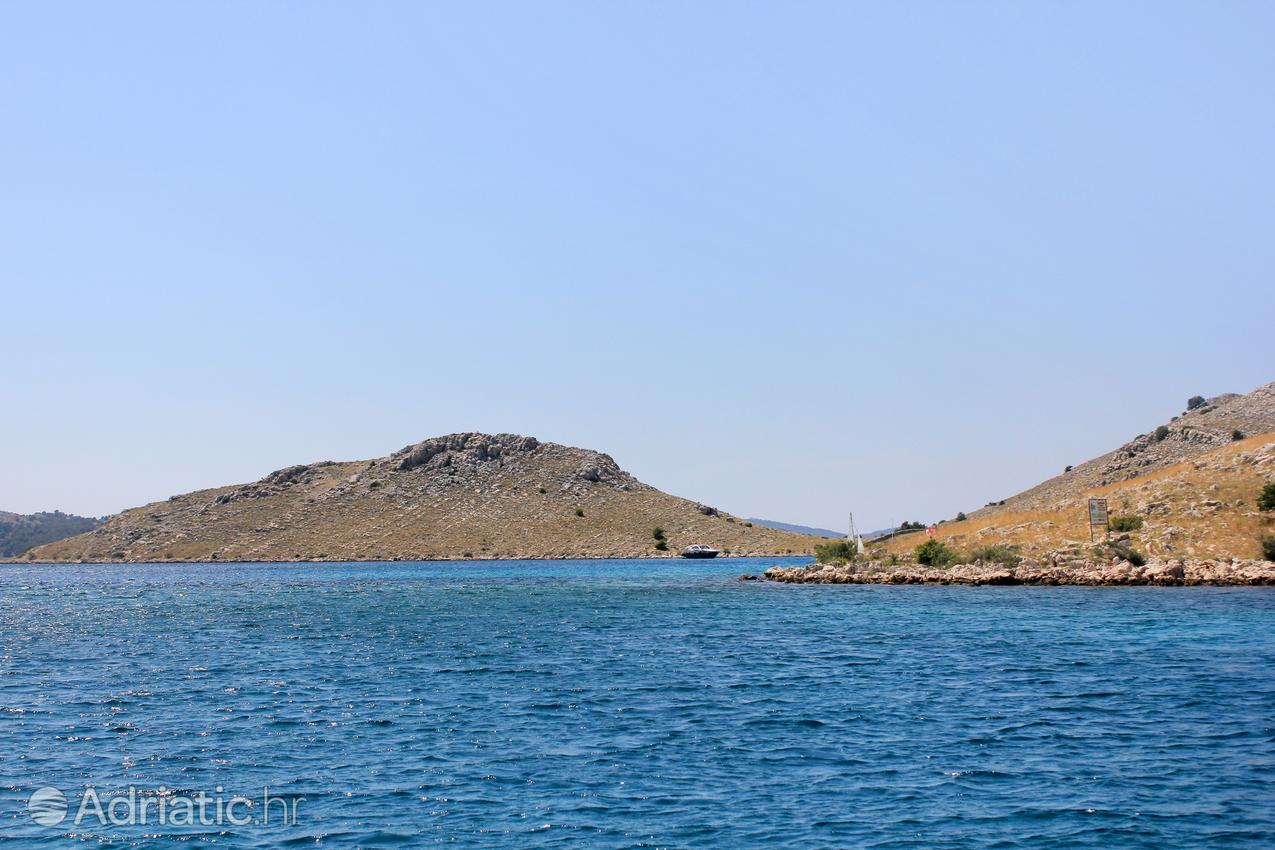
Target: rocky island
{"points": [[1186, 501], [465, 495], [1192, 502]]}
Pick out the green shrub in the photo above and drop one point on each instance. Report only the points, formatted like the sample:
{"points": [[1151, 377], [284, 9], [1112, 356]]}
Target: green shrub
{"points": [[579, 511], [1130, 522], [961, 517], [662, 545], [1194, 401], [657, 533], [1160, 433], [932, 553], [1237, 435], [1120, 550], [1267, 542], [748, 525], [1068, 469], [996, 553], [542, 490], [834, 550], [1266, 501]]}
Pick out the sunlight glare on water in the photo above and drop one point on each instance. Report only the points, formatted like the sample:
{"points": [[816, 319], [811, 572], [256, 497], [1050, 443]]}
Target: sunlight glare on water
{"points": [[639, 704]]}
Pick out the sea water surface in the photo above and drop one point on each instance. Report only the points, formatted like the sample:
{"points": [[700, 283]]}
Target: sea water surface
{"points": [[634, 704]]}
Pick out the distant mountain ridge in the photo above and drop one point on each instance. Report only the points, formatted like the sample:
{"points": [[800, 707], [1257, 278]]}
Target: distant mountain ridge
{"points": [[799, 529], [19, 532], [457, 496]]}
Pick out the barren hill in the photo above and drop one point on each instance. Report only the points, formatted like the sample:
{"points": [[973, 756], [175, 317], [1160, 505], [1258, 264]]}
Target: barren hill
{"points": [[1209, 426], [1193, 484], [458, 496]]}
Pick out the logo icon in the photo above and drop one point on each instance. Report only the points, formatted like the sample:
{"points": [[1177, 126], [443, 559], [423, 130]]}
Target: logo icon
{"points": [[47, 806]]}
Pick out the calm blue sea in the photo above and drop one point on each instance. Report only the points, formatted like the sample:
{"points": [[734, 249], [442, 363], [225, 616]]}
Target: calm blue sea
{"points": [[633, 704]]}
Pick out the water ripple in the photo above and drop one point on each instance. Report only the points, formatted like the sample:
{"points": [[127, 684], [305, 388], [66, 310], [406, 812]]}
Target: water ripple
{"points": [[630, 704]]}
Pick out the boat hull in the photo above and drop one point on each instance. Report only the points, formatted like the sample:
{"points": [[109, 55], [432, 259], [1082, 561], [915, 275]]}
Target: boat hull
{"points": [[709, 554]]}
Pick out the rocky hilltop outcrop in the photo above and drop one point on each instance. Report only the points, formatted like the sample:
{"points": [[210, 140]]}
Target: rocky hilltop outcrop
{"points": [[1208, 426], [456, 496], [1186, 491]]}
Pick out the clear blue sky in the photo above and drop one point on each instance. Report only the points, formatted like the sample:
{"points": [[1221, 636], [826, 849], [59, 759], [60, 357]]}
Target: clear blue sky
{"points": [[791, 259]]}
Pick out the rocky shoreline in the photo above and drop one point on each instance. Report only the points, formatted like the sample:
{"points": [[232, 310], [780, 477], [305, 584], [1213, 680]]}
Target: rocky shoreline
{"points": [[1173, 573]]}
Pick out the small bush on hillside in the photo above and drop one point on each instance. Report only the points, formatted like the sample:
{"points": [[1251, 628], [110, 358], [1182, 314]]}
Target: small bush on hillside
{"points": [[1120, 550], [911, 526], [1266, 501], [1131, 522], [997, 553], [961, 517], [1068, 469], [1237, 435], [1160, 433], [579, 511], [657, 533], [1267, 542], [542, 490], [932, 553], [1194, 401], [661, 545], [748, 525], [834, 550]]}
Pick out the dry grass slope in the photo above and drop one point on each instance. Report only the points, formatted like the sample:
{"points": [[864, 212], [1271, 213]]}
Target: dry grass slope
{"points": [[1199, 508], [458, 496], [1208, 427], [1193, 483]]}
